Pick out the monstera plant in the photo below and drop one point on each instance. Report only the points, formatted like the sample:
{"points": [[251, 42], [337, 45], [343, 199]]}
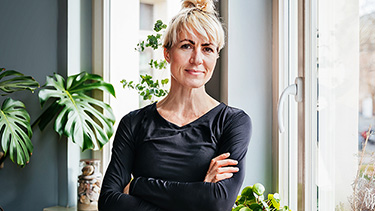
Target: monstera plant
{"points": [[15, 130], [87, 121]]}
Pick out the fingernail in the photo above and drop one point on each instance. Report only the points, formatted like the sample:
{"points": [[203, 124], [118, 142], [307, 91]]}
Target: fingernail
{"points": [[236, 169], [227, 153]]}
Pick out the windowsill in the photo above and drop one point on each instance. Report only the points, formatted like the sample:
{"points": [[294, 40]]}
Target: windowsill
{"points": [[60, 209]]}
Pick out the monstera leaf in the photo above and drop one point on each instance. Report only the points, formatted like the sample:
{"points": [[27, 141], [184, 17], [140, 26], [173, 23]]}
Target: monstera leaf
{"points": [[15, 131], [12, 81], [87, 121]]}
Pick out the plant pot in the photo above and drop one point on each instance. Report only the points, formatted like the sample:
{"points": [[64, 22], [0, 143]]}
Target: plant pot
{"points": [[89, 183]]}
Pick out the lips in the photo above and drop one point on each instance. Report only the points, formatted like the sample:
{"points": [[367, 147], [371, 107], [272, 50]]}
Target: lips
{"points": [[194, 71]]}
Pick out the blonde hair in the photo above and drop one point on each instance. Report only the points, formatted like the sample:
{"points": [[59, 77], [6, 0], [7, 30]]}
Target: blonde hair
{"points": [[196, 16]]}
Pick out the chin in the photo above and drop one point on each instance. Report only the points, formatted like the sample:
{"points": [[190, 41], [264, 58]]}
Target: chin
{"points": [[194, 85]]}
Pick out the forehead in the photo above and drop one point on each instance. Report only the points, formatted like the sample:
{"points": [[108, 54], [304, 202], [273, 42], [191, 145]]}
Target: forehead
{"points": [[194, 36]]}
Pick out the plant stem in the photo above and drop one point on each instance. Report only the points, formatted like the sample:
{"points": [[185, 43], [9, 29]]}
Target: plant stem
{"points": [[359, 166], [2, 159]]}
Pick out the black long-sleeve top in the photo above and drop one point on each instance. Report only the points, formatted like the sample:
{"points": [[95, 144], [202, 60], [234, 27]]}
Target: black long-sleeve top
{"points": [[169, 162]]}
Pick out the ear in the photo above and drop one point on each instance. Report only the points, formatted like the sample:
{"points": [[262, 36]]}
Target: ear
{"points": [[166, 55]]}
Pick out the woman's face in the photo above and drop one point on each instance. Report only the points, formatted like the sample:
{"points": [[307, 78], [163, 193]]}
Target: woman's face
{"points": [[192, 60]]}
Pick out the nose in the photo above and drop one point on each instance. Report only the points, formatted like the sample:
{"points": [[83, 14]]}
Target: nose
{"points": [[196, 57]]}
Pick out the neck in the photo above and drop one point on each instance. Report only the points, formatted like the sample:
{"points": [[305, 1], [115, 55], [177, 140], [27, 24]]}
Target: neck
{"points": [[187, 101]]}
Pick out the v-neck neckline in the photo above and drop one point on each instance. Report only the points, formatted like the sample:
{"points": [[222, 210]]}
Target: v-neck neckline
{"points": [[190, 123]]}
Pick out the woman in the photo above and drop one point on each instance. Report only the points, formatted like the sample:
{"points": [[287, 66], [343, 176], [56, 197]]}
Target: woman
{"points": [[186, 152]]}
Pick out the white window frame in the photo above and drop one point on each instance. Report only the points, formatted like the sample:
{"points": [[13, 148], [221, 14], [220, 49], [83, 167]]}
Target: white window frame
{"points": [[285, 70], [114, 56]]}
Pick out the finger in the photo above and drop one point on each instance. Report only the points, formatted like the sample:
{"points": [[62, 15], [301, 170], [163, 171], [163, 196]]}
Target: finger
{"points": [[216, 159], [226, 162], [224, 176], [221, 157], [228, 170]]}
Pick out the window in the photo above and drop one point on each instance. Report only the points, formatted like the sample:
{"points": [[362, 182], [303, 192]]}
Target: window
{"points": [[115, 36], [317, 161]]}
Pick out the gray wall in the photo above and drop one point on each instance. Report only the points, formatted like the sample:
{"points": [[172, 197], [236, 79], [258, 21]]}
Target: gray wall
{"points": [[250, 80], [33, 41]]}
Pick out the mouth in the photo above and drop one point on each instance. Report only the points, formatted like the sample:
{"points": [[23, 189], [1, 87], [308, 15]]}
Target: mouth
{"points": [[194, 71]]}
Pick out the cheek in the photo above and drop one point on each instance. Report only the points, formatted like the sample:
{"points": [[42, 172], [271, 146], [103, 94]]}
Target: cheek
{"points": [[211, 65]]}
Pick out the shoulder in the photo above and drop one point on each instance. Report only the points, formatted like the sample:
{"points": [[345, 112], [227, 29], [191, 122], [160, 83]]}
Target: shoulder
{"points": [[233, 114], [138, 113], [137, 116]]}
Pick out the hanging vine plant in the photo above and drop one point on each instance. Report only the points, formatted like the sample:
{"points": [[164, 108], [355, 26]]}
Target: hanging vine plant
{"points": [[148, 87]]}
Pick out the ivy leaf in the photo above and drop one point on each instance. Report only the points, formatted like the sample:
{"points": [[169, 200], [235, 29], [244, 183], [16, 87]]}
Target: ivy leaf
{"points": [[159, 25], [164, 81]]}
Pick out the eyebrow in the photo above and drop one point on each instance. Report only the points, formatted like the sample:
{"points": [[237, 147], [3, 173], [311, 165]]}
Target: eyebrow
{"points": [[192, 42]]}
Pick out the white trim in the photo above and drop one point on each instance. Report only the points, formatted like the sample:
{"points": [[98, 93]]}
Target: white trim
{"points": [[100, 62], [310, 105]]}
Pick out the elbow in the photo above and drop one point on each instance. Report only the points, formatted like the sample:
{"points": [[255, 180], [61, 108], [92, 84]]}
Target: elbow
{"points": [[220, 201], [219, 205], [101, 202]]}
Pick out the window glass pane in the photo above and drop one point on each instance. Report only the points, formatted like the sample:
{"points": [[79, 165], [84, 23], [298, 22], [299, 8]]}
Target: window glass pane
{"points": [[146, 16], [338, 85], [364, 184]]}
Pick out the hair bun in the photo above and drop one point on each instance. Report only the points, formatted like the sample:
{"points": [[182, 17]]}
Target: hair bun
{"points": [[204, 5]]}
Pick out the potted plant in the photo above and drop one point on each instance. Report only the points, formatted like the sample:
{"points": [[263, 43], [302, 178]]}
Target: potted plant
{"points": [[252, 199], [87, 121]]}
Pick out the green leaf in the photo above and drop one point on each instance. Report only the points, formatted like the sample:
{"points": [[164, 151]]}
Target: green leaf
{"points": [[256, 207], [15, 131], [12, 81], [159, 25], [258, 189], [238, 207], [164, 81], [247, 192], [245, 209], [275, 200], [78, 116]]}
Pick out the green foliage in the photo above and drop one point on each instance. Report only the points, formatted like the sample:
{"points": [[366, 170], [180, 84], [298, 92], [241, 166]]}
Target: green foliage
{"points": [[12, 81], [78, 115], [15, 129], [147, 87], [252, 199], [161, 64], [159, 25]]}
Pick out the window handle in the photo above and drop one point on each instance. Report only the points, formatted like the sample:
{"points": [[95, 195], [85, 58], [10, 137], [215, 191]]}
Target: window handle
{"points": [[294, 89]]}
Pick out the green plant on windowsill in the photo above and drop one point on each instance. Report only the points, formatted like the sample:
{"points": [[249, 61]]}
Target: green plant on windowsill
{"points": [[252, 199], [148, 87]]}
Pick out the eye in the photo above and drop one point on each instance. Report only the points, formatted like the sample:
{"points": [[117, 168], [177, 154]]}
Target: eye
{"points": [[208, 50], [186, 46]]}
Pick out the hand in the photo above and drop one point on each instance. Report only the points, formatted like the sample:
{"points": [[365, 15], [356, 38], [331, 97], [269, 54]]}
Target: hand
{"points": [[127, 187], [221, 168]]}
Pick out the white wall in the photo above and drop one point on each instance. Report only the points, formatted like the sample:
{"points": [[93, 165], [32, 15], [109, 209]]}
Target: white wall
{"points": [[249, 79]]}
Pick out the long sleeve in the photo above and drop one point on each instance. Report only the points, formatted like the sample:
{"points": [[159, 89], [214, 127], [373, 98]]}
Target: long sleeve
{"points": [[171, 195], [118, 174]]}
